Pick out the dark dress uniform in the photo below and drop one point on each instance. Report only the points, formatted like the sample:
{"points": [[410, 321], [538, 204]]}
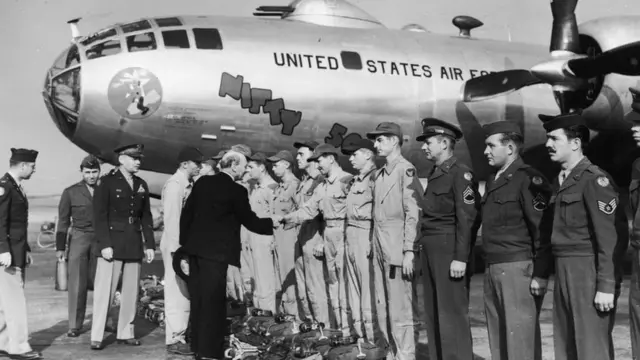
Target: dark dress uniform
{"points": [[14, 211], [449, 226], [512, 210], [75, 212], [123, 222], [634, 286], [210, 234]]}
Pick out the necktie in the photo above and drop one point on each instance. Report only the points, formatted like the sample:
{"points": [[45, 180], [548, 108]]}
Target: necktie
{"points": [[563, 177]]}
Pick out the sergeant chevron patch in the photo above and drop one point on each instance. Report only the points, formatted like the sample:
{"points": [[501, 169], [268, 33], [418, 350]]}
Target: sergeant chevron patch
{"points": [[608, 208], [468, 196]]}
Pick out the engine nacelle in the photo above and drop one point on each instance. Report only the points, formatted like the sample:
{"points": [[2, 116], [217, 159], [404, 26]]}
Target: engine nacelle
{"points": [[608, 99]]}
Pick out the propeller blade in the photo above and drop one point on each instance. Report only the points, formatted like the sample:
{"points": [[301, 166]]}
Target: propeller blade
{"points": [[496, 84], [564, 35], [623, 60]]}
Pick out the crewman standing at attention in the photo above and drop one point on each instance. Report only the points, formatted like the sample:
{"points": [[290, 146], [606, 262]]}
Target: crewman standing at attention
{"points": [[358, 236], [124, 233], [176, 294], [310, 269], [15, 255], [286, 235], [449, 227], [396, 196], [583, 242], [266, 279], [513, 205], [329, 199], [75, 213]]}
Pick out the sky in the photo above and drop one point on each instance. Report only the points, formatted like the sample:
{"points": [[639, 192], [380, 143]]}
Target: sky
{"points": [[34, 32]]}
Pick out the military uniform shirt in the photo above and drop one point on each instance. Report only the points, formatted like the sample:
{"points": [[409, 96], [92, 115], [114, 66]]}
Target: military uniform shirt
{"points": [[634, 201], [360, 200], [328, 199]]}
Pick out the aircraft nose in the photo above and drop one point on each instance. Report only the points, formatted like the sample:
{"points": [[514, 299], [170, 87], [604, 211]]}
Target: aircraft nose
{"points": [[62, 91]]}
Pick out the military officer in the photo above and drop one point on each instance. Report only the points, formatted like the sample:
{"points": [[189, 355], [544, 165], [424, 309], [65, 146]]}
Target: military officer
{"points": [[123, 228], [396, 195], [449, 227], [329, 199], [310, 269], [286, 235], [634, 197], [75, 223], [15, 255], [512, 206], [175, 192], [358, 236], [583, 241], [266, 275]]}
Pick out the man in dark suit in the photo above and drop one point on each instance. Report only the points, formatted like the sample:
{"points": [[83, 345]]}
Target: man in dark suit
{"points": [[210, 234], [75, 211], [14, 256], [122, 220]]}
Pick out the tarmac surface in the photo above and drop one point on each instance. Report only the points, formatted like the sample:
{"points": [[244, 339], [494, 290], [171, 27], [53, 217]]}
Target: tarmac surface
{"points": [[47, 311]]}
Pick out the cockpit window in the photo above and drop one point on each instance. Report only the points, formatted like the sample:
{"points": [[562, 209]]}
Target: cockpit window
{"points": [[136, 26], [175, 39], [208, 39], [109, 47], [66, 90], [172, 21], [74, 57], [100, 35], [141, 42]]}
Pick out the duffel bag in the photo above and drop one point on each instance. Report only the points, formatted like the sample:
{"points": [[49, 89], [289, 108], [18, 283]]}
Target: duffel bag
{"points": [[268, 326]]}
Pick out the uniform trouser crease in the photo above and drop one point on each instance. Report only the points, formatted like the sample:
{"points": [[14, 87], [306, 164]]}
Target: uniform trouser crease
{"points": [[176, 302], [14, 333]]}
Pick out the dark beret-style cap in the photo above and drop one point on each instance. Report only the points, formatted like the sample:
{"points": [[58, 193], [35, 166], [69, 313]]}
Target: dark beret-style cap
{"points": [[501, 127], [308, 143], [433, 126], [349, 149], [190, 154], [562, 121], [386, 128], [323, 150], [282, 155], [23, 155], [90, 162], [133, 150]]}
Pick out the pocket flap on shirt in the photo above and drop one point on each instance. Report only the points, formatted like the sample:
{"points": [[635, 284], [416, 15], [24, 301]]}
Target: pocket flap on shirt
{"points": [[571, 198]]}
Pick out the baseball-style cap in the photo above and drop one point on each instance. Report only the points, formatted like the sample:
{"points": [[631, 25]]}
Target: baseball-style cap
{"points": [[220, 155], [433, 126], [323, 150], [282, 155], [386, 128], [133, 150], [308, 143], [349, 149], [190, 154], [258, 157], [501, 127], [242, 149], [562, 121]]}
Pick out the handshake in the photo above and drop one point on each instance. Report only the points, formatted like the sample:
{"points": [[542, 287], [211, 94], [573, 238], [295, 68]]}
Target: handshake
{"points": [[279, 219]]}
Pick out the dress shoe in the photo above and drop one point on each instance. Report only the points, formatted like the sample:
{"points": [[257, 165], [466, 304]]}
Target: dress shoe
{"points": [[26, 356], [179, 349], [131, 342], [97, 345], [73, 333]]}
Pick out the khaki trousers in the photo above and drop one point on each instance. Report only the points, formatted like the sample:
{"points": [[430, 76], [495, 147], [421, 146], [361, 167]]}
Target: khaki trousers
{"points": [[360, 283], [310, 274], [335, 259], [266, 280], [14, 334], [285, 253], [107, 276], [176, 302]]}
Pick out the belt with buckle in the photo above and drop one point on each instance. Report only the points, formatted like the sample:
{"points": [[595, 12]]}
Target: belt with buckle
{"points": [[131, 219]]}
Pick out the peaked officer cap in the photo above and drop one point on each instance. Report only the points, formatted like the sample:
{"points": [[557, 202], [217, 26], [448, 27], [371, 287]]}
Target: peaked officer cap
{"points": [[433, 126], [134, 150]]}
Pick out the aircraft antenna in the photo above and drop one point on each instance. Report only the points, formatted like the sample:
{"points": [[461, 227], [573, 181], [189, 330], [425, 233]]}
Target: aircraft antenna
{"points": [[75, 32]]}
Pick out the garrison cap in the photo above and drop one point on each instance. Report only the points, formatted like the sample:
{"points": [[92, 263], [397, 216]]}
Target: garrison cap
{"points": [[133, 150], [634, 115], [311, 144], [23, 155], [220, 155], [258, 157], [282, 155], [242, 149], [90, 162], [357, 145], [386, 128], [501, 127], [433, 126], [562, 121], [190, 154], [323, 150]]}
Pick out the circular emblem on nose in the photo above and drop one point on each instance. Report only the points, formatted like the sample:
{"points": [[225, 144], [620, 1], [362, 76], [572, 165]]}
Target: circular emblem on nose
{"points": [[135, 93]]}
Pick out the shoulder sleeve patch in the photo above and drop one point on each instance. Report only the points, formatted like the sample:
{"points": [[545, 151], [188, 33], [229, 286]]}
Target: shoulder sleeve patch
{"points": [[536, 180], [603, 181], [2, 191], [410, 172], [468, 176]]}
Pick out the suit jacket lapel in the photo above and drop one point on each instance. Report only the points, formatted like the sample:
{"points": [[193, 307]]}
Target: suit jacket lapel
{"points": [[17, 188]]}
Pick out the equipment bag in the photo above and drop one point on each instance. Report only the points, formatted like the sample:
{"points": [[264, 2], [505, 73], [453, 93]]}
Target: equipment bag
{"points": [[352, 352], [268, 326]]}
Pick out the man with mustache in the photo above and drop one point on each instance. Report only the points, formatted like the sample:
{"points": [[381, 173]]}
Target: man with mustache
{"points": [[513, 206], [583, 241]]}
